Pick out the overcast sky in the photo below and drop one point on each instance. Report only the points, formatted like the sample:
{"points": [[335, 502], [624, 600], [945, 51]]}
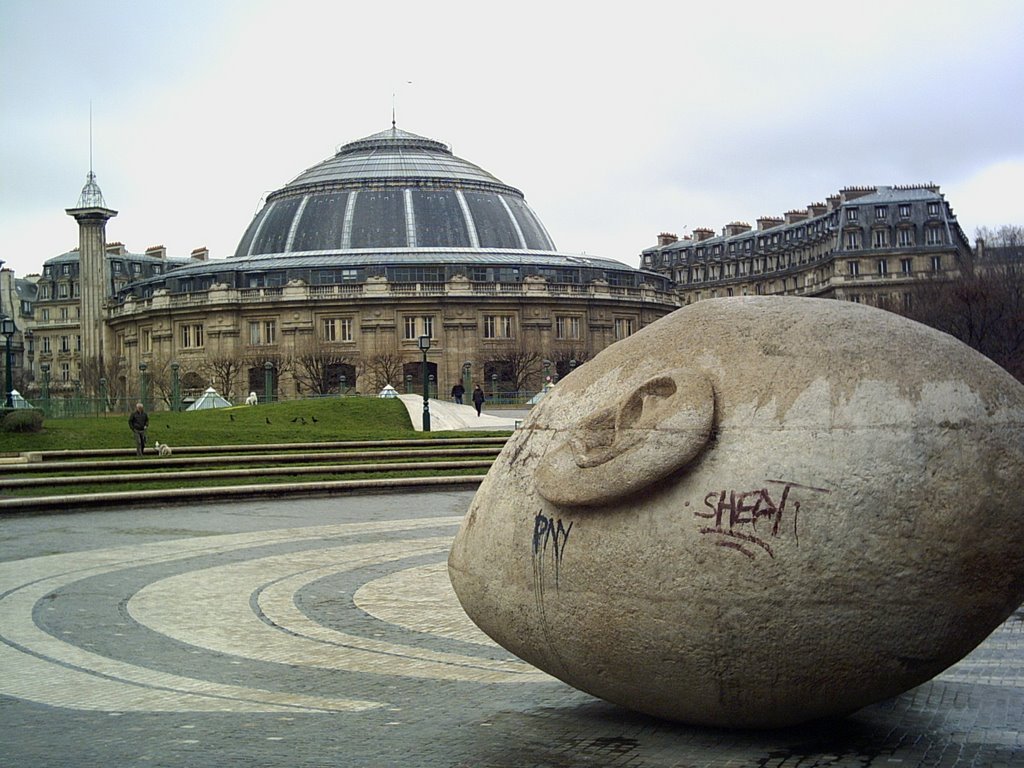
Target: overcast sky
{"points": [[616, 124]]}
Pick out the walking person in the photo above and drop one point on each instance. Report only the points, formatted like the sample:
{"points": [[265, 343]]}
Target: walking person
{"points": [[478, 399], [457, 392], [139, 423]]}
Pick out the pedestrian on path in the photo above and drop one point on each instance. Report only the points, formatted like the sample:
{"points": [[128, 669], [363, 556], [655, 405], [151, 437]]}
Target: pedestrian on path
{"points": [[457, 392], [478, 399], [139, 423]]}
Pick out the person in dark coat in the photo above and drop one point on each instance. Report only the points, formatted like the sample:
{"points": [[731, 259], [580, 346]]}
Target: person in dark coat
{"points": [[457, 392], [478, 398], [139, 423]]}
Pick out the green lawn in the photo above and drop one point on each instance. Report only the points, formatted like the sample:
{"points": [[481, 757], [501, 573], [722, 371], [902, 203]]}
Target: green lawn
{"points": [[294, 421]]}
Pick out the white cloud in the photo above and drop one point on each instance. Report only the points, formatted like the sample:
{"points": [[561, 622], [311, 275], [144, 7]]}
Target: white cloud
{"points": [[616, 124]]}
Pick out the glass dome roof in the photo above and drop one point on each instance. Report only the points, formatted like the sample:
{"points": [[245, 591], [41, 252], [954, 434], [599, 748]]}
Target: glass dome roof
{"points": [[393, 189]]}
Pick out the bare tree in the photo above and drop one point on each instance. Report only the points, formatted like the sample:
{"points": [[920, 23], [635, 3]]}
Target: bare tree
{"points": [[110, 373], [318, 367], [517, 362], [223, 371], [255, 363], [1006, 236], [983, 307], [158, 372], [385, 366], [567, 356]]}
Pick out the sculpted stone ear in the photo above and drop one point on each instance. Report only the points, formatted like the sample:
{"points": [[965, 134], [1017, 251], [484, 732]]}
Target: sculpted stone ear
{"points": [[655, 430]]}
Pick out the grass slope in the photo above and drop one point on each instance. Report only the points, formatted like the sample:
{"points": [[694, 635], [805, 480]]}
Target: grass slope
{"points": [[350, 418]]}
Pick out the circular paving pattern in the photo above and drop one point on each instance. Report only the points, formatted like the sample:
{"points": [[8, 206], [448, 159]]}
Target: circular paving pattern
{"points": [[359, 597], [163, 636]]}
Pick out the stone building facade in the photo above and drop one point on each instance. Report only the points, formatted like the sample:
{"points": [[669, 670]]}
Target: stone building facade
{"points": [[864, 244], [394, 239], [332, 287]]}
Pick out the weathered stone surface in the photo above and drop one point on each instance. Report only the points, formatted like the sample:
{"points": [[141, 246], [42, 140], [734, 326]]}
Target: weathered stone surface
{"points": [[755, 512]]}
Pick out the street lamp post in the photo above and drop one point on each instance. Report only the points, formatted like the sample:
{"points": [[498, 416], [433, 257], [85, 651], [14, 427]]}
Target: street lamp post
{"points": [[7, 329], [103, 395], [45, 367], [467, 368], [344, 384], [143, 392], [424, 344], [175, 387], [494, 386]]}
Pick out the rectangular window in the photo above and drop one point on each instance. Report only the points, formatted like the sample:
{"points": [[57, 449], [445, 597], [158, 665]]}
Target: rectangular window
{"points": [[137, 268], [63, 313], [934, 236], [262, 332], [881, 212], [62, 291], [330, 329], [65, 371], [906, 266], [78, 343], [46, 345], [45, 315], [567, 327], [880, 238], [191, 336], [345, 329], [117, 267], [883, 267], [851, 214], [936, 263], [905, 210], [933, 209], [497, 326], [419, 326], [853, 268], [65, 344], [852, 240], [906, 238], [623, 327], [907, 300]]}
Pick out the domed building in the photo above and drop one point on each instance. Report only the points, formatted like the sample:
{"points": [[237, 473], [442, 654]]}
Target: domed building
{"points": [[349, 269]]}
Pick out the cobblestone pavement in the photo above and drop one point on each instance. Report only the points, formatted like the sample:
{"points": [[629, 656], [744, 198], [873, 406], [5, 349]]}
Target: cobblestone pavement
{"points": [[324, 632]]}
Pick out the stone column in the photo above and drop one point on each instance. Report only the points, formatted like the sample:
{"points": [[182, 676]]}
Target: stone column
{"points": [[93, 271]]}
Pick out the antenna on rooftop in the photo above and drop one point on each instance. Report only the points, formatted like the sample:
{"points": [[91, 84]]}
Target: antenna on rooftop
{"points": [[90, 136], [393, 97]]}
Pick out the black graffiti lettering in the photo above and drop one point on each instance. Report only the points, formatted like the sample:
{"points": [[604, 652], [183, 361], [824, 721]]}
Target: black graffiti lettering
{"points": [[550, 530]]}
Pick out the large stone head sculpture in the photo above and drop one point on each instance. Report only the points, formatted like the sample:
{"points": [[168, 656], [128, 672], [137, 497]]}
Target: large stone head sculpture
{"points": [[755, 512]]}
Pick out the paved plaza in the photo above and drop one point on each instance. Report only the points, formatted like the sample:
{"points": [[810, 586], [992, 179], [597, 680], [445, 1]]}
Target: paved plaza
{"points": [[323, 632]]}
